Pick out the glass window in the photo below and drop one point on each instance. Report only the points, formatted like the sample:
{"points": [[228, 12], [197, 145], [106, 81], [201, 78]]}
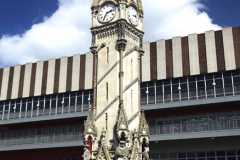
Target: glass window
{"points": [[218, 75], [212, 117], [181, 155], [18, 107], [175, 87], [167, 82], [219, 82], [200, 78], [53, 104], [72, 101], [183, 86], [209, 83], [227, 81], [221, 116], [236, 72], [158, 83], [168, 121], [191, 154], [23, 106], [151, 122], [1, 108], [227, 74], [192, 86], [151, 84], [185, 119], [236, 80], [159, 89], [183, 80], [144, 85], [154, 156], [176, 120], [209, 76], [160, 121], [164, 156], [60, 96], [175, 81], [72, 94], [191, 79], [151, 90], [167, 89], [200, 154], [231, 153], [220, 153], [210, 153], [200, 84], [48, 97]]}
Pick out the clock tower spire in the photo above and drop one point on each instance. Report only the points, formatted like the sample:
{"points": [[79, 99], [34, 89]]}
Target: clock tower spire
{"points": [[114, 123]]}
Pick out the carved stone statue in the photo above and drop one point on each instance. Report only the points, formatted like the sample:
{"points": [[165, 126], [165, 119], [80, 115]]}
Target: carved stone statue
{"points": [[86, 154], [145, 154], [121, 151]]}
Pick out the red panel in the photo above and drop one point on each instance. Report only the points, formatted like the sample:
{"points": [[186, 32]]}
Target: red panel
{"points": [[46, 124], [53, 153]]}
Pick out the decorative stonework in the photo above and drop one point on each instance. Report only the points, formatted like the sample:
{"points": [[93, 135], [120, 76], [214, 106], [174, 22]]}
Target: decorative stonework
{"points": [[121, 44], [119, 29]]}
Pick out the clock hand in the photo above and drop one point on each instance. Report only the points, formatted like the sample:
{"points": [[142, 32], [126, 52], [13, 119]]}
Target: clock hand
{"points": [[106, 14]]}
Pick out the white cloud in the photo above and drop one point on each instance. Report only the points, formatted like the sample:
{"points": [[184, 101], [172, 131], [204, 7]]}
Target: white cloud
{"points": [[67, 31]]}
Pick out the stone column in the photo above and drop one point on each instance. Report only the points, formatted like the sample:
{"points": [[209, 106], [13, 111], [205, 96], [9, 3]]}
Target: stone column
{"points": [[93, 49], [141, 52], [121, 47]]}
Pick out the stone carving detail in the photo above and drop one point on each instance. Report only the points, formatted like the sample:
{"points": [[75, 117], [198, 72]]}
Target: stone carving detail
{"points": [[122, 130], [122, 152], [90, 130], [103, 153], [86, 154], [121, 44], [122, 7]]}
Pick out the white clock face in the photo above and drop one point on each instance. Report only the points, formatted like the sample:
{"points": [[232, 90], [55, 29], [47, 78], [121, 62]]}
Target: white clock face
{"points": [[133, 15], [107, 13]]}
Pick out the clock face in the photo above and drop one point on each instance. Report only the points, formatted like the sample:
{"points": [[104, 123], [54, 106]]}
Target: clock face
{"points": [[107, 13], [132, 15]]}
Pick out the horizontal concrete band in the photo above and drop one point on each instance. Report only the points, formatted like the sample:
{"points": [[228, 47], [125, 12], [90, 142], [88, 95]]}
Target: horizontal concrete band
{"points": [[45, 78], [195, 54]]}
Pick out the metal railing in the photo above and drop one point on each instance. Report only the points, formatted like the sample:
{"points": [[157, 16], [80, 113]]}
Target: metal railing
{"points": [[43, 112], [195, 127], [187, 95], [41, 139]]}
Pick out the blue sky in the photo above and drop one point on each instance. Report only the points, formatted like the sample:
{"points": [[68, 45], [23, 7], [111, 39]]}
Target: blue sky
{"points": [[32, 30]]}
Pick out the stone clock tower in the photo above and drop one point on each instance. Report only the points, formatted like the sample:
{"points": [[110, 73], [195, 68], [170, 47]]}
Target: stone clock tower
{"points": [[115, 127]]}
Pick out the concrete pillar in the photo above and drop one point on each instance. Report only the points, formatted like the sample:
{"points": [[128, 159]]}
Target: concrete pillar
{"points": [[75, 72], [50, 78], [63, 75], [211, 52], [16, 80], [88, 71], [146, 63], [27, 80], [5, 80], [161, 59], [38, 80], [193, 54], [229, 54], [177, 57]]}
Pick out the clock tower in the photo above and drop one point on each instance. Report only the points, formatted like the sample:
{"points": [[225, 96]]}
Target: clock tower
{"points": [[116, 128]]}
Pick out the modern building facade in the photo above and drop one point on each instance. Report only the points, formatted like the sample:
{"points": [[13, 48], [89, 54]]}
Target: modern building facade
{"points": [[190, 90]]}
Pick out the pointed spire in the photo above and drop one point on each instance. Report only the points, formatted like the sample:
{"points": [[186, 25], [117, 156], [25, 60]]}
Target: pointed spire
{"points": [[143, 128], [140, 7], [95, 4]]}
